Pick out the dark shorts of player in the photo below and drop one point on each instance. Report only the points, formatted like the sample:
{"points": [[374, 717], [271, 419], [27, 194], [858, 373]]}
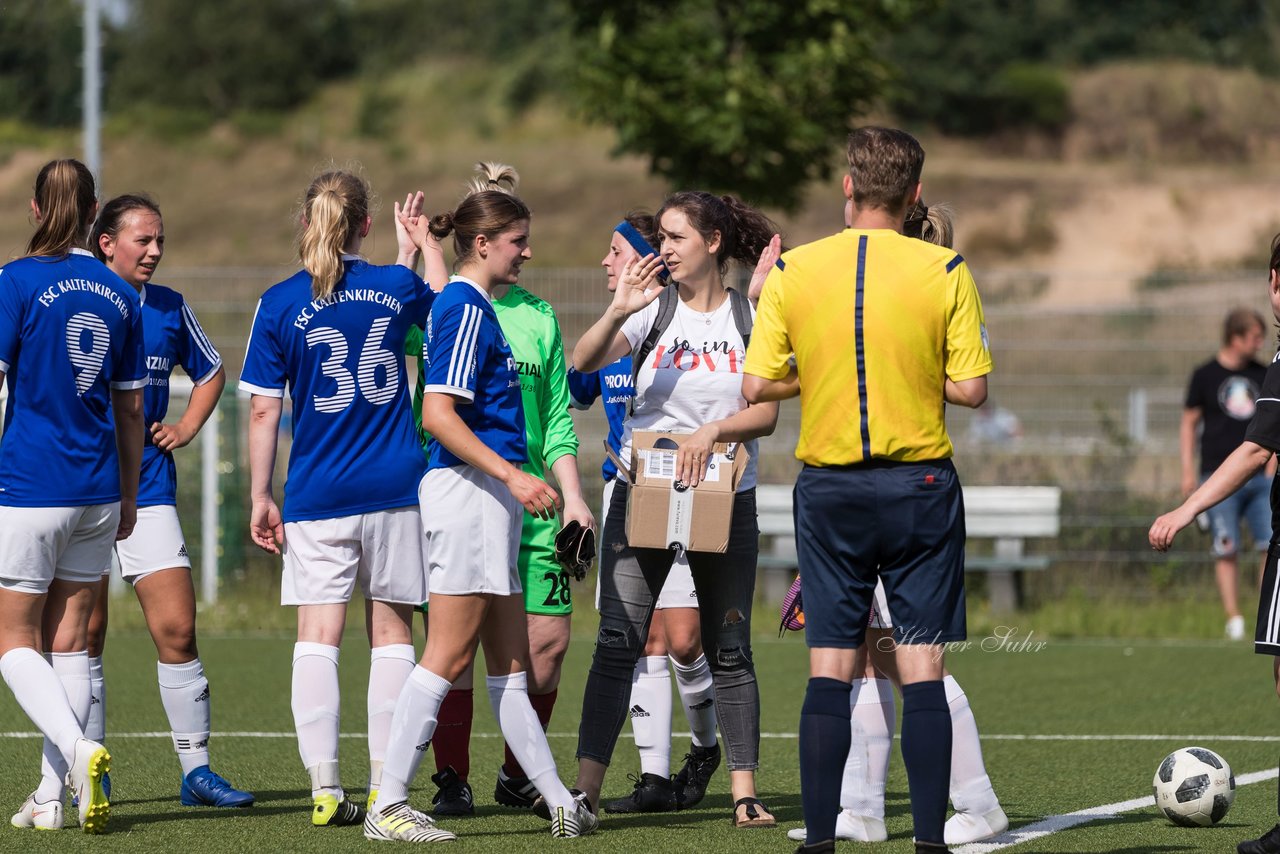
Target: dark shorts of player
{"points": [[1266, 637], [902, 522]]}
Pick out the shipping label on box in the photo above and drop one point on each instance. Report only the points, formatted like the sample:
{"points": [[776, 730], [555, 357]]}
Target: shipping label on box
{"points": [[664, 513]]}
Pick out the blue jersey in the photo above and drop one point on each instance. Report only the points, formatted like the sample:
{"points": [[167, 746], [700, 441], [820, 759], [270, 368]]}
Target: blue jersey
{"points": [[468, 356], [173, 337], [70, 331], [354, 446], [614, 383]]}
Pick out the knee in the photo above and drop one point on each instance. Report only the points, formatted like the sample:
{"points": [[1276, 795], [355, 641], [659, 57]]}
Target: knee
{"points": [[617, 648], [730, 650], [176, 639], [97, 642], [685, 648]]}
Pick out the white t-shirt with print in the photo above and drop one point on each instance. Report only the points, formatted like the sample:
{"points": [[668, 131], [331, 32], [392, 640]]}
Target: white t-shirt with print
{"points": [[692, 377]]}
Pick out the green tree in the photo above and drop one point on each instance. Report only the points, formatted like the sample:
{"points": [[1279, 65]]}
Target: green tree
{"points": [[748, 96], [40, 43], [230, 55]]}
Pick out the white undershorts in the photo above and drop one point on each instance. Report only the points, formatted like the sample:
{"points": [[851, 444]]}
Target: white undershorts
{"points": [[472, 524], [39, 544], [383, 550], [155, 544], [678, 590], [880, 616]]}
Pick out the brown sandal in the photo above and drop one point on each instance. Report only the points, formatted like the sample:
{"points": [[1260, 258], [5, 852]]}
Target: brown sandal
{"points": [[755, 815]]}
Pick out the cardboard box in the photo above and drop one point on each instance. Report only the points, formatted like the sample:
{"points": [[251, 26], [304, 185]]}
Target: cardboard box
{"points": [[662, 512]]}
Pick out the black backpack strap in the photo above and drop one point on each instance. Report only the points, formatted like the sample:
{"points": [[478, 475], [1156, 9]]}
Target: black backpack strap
{"points": [[741, 314], [666, 311]]}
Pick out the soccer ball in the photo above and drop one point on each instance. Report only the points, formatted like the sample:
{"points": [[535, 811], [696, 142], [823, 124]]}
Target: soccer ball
{"points": [[1194, 787]]}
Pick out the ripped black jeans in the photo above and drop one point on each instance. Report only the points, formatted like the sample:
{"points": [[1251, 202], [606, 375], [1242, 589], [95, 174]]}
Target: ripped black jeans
{"points": [[630, 580]]}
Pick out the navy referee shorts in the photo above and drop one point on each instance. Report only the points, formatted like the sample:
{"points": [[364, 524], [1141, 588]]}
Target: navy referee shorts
{"points": [[900, 522]]}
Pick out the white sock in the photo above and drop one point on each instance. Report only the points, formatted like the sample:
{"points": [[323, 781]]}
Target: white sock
{"points": [[315, 707], [866, 769], [72, 670], [96, 728], [412, 726], [971, 789], [651, 714], [698, 696], [184, 691], [389, 667], [509, 696]]}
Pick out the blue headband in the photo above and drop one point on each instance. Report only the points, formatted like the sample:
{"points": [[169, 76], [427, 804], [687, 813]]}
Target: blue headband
{"points": [[638, 243]]}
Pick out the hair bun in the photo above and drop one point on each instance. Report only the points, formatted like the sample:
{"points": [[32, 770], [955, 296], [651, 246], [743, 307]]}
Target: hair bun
{"points": [[441, 225]]}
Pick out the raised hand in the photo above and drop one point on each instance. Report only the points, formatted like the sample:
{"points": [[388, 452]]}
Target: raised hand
{"points": [[768, 258], [409, 212], [638, 285]]}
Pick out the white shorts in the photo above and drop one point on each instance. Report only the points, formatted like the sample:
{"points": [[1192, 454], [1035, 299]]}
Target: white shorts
{"points": [[383, 550], [473, 532], [155, 544], [677, 591], [880, 616], [39, 544]]}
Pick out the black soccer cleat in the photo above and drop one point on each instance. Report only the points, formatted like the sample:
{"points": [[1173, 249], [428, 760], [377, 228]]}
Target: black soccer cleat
{"points": [[1268, 843], [518, 792], [691, 781], [454, 797], [652, 793]]}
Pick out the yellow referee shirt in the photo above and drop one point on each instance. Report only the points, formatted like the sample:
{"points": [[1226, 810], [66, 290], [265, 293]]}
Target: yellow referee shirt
{"points": [[876, 321]]}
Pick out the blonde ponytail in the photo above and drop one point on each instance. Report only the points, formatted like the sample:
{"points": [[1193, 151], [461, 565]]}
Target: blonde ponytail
{"points": [[336, 206], [65, 196], [938, 227], [495, 176]]}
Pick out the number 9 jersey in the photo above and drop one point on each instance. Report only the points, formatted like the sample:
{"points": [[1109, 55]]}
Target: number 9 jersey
{"points": [[354, 446], [70, 330]]}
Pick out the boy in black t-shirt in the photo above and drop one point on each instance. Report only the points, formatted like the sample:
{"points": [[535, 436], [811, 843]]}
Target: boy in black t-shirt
{"points": [[1220, 397], [1261, 442]]}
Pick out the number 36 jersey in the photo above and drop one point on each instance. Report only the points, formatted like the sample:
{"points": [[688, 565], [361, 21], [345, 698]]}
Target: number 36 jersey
{"points": [[70, 331], [354, 446]]}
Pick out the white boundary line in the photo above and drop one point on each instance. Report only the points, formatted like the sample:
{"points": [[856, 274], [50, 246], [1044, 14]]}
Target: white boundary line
{"points": [[1055, 823], [1189, 739]]}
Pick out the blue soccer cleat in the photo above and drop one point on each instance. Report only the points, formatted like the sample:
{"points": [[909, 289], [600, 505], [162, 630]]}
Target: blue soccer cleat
{"points": [[203, 788]]}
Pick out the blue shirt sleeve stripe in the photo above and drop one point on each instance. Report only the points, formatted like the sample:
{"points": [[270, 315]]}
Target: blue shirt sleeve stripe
{"points": [[464, 346], [955, 262], [197, 335]]}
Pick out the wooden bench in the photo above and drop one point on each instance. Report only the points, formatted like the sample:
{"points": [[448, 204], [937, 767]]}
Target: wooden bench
{"points": [[1008, 515]]}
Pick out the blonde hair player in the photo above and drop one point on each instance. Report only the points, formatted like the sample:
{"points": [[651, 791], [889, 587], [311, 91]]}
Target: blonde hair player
{"points": [[332, 334]]}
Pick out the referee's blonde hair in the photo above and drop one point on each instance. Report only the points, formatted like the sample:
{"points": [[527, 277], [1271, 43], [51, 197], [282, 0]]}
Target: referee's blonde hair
{"points": [[490, 207], [335, 209]]}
